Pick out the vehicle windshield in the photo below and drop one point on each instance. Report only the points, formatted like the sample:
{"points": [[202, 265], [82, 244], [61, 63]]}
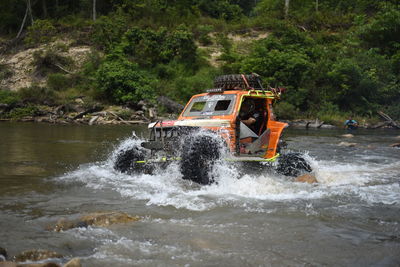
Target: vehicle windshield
{"points": [[210, 105]]}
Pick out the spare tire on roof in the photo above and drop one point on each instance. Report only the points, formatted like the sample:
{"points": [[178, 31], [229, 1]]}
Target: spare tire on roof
{"points": [[235, 81]]}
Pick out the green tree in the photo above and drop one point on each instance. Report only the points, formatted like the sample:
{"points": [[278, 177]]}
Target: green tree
{"points": [[148, 47], [108, 30], [362, 83], [282, 63], [383, 32], [42, 31], [121, 81], [224, 9]]}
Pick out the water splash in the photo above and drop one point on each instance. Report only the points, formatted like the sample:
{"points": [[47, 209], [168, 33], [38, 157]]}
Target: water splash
{"points": [[167, 188]]}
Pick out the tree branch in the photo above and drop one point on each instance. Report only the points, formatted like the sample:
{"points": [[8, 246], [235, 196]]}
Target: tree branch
{"points": [[61, 68], [23, 21]]}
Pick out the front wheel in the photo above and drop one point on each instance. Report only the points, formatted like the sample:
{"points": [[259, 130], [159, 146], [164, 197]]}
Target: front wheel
{"points": [[199, 154], [292, 164], [126, 160]]}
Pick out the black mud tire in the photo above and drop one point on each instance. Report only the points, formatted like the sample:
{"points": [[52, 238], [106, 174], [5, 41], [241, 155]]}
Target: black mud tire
{"points": [[292, 164], [125, 160], [198, 157], [233, 81]]}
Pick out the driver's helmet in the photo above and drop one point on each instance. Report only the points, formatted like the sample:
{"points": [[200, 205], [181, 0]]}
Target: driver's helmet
{"points": [[248, 105]]}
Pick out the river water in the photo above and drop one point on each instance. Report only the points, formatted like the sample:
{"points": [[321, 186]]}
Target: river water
{"points": [[351, 218]]}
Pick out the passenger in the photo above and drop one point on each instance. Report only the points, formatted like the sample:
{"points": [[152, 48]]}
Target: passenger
{"points": [[351, 124]]}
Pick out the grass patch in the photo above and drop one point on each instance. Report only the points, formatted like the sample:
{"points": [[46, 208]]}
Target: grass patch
{"points": [[38, 95], [9, 97], [58, 82], [22, 112]]}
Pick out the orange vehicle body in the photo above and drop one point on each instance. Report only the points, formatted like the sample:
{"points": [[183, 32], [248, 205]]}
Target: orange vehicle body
{"points": [[233, 122], [229, 129]]}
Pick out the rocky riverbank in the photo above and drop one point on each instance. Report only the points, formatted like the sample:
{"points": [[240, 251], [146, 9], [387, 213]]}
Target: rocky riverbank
{"points": [[81, 112], [317, 124]]}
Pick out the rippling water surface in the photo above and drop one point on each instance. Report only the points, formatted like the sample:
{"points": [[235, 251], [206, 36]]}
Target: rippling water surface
{"points": [[351, 218]]}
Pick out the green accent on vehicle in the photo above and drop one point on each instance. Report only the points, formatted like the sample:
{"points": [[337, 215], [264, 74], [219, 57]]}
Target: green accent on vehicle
{"points": [[236, 159]]}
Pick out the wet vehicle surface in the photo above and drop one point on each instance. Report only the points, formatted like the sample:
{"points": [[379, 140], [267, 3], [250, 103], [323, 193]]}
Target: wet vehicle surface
{"points": [[234, 121]]}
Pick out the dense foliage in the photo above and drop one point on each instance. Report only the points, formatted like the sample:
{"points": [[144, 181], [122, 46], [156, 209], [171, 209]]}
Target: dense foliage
{"points": [[123, 81], [333, 56]]}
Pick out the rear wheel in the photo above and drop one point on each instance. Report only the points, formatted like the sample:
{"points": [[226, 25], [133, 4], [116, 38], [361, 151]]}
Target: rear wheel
{"points": [[292, 164], [199, 154], [126, 161]]}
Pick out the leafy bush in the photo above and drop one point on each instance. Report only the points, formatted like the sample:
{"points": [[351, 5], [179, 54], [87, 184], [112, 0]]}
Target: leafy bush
{"points": [[231, 59], [8, 97], [121, 81], [92, 63], [38, 95], [60, 46], [333, 119], [21, 112], [202, 33], [394, 110], [148, 47], [279, 64], [108, 30], [286, 111], [184, 86], [383, 32], [42, 31], [58, 82], [224, 9], [362, 83], [68, 97], [125, 114], [330, 113], [85, 79]]}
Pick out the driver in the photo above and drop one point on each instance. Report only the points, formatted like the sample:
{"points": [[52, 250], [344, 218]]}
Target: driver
{"points": [[249, 115]]}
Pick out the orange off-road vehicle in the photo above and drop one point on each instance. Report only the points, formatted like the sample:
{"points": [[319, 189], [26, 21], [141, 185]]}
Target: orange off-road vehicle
{"points": [[233, 121]]}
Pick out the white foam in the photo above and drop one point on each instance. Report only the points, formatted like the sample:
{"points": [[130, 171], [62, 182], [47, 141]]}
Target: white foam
{"points": [[166, 188], [388, 194]]}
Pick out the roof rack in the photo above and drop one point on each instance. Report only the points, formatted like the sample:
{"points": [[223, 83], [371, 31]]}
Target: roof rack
{"points": [[239, 82]]}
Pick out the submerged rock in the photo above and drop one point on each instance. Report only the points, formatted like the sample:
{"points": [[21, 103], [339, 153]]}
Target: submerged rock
{"points": [[62, 225], [36, 255], [395, 145], [8, 264], [100, 219], [105, 219], [75, 262], [37, 258], [306, 178], [347, 135], [45, 264], [347, 144]]}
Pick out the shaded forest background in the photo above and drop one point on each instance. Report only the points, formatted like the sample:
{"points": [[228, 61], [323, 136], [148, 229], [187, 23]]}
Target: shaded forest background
{"points": [[335, 57]]}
